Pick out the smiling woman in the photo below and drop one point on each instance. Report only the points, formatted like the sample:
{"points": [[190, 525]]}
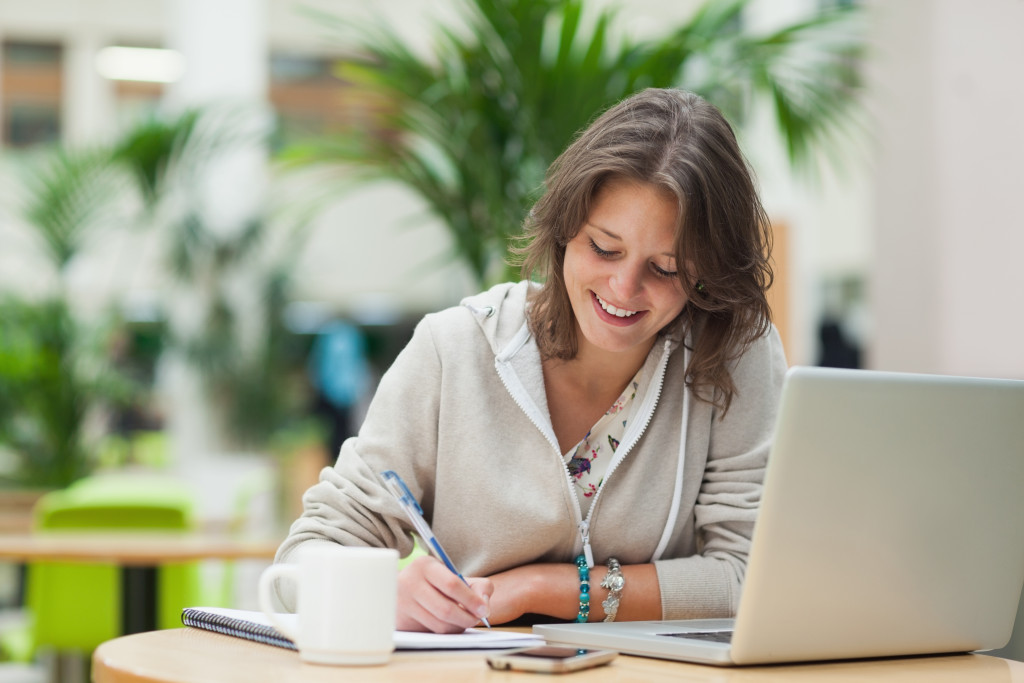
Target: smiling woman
{"points": [[666, 163], [621, 299], [579, 406]]}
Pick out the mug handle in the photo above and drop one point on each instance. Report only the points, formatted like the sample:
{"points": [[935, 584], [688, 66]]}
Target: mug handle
{"points": [[267, 578]]}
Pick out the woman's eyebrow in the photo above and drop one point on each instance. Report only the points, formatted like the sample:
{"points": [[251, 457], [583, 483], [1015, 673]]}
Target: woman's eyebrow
{"points": [[611, 234], [605, 231]]}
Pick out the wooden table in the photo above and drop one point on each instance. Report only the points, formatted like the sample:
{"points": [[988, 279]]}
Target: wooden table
{"points": [[138, 554], [132, 548], [195, 656]]}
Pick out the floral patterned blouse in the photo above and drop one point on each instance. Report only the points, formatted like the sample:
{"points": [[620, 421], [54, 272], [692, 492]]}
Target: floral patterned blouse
{"points": [[588, 462]]}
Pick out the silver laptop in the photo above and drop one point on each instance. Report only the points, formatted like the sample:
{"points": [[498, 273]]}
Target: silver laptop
{"points": [[892, 523]]}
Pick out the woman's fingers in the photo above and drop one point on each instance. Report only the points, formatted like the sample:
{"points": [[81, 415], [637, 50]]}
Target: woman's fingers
{"points": [[432, 598], [430, 610]]}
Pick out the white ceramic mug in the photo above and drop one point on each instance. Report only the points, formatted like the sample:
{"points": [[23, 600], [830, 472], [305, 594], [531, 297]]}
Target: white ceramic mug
{"points": [[346, 603]]}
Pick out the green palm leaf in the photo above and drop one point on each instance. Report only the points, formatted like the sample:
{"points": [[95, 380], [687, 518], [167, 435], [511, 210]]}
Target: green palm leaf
{"points": [[151, 148], [472, 128], [65, 195]]}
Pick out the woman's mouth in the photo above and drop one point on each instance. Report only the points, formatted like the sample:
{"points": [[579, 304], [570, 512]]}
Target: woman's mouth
{"points": [[617, 312], [614, 314]]}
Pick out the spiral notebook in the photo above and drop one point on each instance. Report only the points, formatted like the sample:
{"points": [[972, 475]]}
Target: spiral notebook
{"points": [[253, 625]]}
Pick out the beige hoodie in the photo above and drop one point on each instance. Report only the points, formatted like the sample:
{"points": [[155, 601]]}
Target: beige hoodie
{"points": [[462, 417]]}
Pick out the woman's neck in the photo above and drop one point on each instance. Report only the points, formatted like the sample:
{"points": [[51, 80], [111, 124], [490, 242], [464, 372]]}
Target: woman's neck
{"points": [[601, 372], [580, 391]]}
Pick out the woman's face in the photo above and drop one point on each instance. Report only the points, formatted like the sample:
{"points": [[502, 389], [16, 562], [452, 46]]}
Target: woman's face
{"points": [[620, 269]]}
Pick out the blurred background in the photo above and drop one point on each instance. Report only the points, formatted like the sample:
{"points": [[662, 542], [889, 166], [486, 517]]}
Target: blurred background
{"points": [[219, 221]]}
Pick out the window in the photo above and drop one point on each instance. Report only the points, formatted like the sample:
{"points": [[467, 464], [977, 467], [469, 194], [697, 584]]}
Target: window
{"points": [[311, 100], [32, 89]]}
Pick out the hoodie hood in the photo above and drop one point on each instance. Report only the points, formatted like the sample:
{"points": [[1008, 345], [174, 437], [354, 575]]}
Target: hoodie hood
{"points": [[500, 312]]}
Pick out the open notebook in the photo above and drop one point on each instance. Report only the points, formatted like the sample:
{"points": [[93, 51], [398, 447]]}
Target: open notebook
{"points": [[890, 524], [255, 626]]}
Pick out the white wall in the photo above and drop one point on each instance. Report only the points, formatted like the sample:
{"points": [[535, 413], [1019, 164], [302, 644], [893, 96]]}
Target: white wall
{"points": [[947, 284]]}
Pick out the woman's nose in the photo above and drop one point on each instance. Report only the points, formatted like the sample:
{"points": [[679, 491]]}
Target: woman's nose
{"points": [[627, 282]]}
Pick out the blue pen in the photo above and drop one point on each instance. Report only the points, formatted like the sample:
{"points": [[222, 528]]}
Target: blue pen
{"points": [[415, 513]]}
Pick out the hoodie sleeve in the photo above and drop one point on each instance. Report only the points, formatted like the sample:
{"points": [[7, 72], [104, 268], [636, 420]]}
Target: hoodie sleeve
{"points": [[708, 584], [350, 505]]}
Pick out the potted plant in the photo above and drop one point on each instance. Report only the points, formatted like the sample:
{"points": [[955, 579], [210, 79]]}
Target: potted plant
{"points": [[248, 384], [56, 369], [472, 127]]}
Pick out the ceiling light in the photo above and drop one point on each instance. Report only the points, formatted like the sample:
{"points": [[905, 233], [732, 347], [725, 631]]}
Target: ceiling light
{"points": [[140, 64]]}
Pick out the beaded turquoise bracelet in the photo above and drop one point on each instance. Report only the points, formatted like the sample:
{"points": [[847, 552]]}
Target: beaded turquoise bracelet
{"points": [[584, 572]]}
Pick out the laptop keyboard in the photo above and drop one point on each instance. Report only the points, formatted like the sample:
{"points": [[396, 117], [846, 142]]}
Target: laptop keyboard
{"points": [[713, 636]]}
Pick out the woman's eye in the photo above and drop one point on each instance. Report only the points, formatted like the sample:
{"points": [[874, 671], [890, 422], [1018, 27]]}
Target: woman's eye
{"points": [[658, 270], [599, 251], [661, 272]]}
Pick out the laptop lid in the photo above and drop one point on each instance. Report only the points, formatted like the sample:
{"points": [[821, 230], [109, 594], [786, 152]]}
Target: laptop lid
{"points": [[892, 523]]}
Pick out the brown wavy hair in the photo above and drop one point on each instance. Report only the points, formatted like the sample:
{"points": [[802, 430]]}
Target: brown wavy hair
{"points": [[677, 141]]}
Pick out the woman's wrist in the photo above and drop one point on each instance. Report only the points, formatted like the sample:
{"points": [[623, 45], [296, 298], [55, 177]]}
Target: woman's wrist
{"points": [[550, 589], [553, 589]]}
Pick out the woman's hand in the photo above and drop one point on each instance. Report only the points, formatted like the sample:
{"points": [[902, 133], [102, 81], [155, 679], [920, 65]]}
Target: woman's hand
{"points": [[432, 598]]}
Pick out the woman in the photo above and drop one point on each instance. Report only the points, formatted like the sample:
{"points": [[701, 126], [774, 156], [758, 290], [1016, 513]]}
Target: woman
{"points": [[617, 416]]}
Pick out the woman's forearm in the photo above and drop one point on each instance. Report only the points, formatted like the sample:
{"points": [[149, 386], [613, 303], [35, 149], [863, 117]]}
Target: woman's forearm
{"points": [[554, 590]]}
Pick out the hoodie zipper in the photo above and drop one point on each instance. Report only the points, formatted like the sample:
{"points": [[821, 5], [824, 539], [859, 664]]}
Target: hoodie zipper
{"points": [[653, 396]]}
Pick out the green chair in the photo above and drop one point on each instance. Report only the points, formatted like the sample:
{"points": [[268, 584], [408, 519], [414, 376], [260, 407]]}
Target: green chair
{"points": [[77, 606]]}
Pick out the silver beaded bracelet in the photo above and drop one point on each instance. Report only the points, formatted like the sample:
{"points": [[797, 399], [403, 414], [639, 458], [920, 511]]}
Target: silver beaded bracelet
{"points": [[614, 581]]}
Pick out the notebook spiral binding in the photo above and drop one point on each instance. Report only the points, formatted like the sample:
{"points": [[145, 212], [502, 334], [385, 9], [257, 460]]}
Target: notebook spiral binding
{"points": [[235, 627]]}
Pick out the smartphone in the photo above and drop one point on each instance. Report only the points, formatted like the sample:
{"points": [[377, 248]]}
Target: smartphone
{"points": [[554, 659]]}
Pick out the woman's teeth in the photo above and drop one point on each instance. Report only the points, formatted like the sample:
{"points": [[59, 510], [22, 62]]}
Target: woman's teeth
{"points": [[617, 312]]}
